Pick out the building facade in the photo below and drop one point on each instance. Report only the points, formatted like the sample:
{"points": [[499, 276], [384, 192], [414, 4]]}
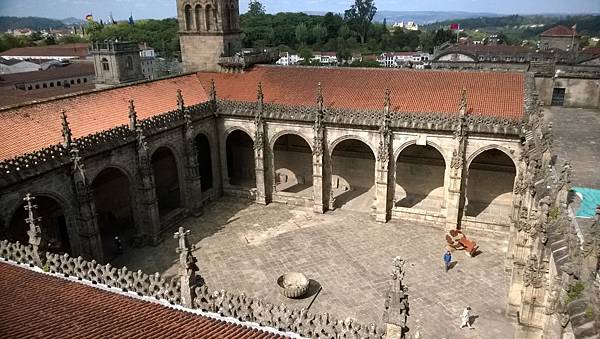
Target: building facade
{"points": [[116, 63]]}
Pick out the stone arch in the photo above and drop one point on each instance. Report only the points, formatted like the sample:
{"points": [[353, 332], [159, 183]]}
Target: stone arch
{"points": [[503, 149], [292, 164], [489, 183], [187, 9], [198, 17], [239, 152], [113, 191], [282, 133], [243, 129], [167, 176], [419, 176], [341, 139], [205, 162], [352, 173], [54, 211], [208, 13], [439, 148]]}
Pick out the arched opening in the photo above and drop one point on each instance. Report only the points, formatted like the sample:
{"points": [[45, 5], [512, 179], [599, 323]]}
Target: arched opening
{"points": [[105, 66], [166, 181], [420, 178], [198, 13], [489, 186], [240, 159], [353, 175], [204, 162], [53, 225], [293, 165], [111, 191], [188, 17], [226, 19], [208, 16]]}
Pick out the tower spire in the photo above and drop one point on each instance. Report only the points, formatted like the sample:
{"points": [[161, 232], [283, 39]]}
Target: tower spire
{"points": [[66, 130]]}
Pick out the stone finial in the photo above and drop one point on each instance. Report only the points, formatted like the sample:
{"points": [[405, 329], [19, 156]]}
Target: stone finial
{"points": [[78, 167], [387, 99], [180, 103], [213, 91], [260, 97], [187, 267], [182, 235], [66, 130], [320, 97], [396, 303], [34, 232], [462, 106], [132, 116]]}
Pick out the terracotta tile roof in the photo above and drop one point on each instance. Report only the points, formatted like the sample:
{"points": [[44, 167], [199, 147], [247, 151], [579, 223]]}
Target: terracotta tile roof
{"points": [[37, 305], [9, 95], [31, 127], [493, 49], [71, 70], [489, 93], [559, 31], [79, 50]]}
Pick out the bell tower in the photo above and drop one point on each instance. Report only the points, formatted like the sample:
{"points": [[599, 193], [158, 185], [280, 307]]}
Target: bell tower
{"points": [[208, 30]]}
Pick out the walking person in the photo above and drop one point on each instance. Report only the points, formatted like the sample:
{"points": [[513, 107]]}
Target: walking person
{"points": [[447, 260], [466, 318]]}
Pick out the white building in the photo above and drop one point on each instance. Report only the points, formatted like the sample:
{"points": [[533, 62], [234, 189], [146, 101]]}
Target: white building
{"points": [[403, 59], [287, 59], [147, 58], [410, 25], [326, 58]]}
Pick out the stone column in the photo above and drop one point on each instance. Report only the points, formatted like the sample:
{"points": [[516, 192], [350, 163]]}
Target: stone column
{"points": [[149, 226], [187, 268], [34, 232], [89, 233], [320, 183], [382, 175], [192, 171], [396, 309], [455, 187], [259, 149]]}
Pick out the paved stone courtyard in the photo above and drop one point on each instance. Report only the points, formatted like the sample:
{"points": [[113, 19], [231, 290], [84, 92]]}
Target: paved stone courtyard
{"points": [[244, 247]]}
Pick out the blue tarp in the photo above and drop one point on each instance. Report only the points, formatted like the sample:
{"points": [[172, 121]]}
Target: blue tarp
{"points": [[591, 199]]}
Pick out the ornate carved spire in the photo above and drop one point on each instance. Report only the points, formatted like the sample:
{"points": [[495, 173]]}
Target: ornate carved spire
{"points": [[34, 232], [320, 97], [132, 116], [462, 106], [213, 91], [387, 100], [180, 103], [385, 132], [318, 127], [66, 130], [187, 267], [260, 97]]}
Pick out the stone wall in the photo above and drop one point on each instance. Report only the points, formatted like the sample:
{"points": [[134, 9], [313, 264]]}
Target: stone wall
{"points": [[579, 92]]}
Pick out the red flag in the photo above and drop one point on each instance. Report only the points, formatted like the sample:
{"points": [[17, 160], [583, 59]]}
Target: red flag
{"points": [[455, 27]]}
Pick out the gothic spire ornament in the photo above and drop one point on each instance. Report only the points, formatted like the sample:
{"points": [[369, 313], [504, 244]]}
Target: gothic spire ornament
{"points": [[132, 116], [462, 106], [212, 95], [180, 103], [66, 130]]}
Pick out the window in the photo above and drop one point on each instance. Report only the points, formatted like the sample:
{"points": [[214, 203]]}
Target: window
{"points": [[29, 88], [78, 81], [188, 17], [198, 13], [45, 85], [208, 16], [508, 59], [481, 58], [494, 58], [51, 84], [104, 65], [37, 86], [522, 59], [84, 80], [72, 82]]}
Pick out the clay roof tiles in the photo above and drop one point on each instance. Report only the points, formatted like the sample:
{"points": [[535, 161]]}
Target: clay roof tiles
{"points": [[79, 50], [37, 305], [559, 31], [32, 127], [489, 93]]}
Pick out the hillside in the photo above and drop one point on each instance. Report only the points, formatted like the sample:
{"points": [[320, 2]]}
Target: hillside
{"points": [[420, 17], [586, 24], [35, 23]]}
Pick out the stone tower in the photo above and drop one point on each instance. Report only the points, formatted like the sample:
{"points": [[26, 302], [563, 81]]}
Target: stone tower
{"points": [[116, 63], [208, 30]]}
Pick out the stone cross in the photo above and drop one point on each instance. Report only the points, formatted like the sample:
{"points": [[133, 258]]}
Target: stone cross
{"points": [[34, 232], [132, 116], [66, 130]]}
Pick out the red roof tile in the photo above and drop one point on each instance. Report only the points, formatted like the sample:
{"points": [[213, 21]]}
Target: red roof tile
{"points": [[489, 93], [71, 70], [559, 31], [37, 305], [31, 127], [79, 50]]}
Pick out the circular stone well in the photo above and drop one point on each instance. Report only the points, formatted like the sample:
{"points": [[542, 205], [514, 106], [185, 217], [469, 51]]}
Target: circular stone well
{"points": [[293, 284]]}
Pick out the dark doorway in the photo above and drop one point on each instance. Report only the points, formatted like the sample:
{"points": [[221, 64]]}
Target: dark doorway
{"points": [[293, 165], [55, 237], [490, 184], [558, 97], [166, 181], [353, 177], [240, 160], [204, 162], [420, 178], [113, 206]]}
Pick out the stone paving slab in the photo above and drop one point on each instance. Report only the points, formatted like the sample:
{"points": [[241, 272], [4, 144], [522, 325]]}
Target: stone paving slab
{"points": [[244, 247]]}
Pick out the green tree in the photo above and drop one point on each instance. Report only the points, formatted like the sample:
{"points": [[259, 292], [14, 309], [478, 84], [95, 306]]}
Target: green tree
{"points": [[306, 54], [302, 33], [343, 55], [319, 33], [256, 8], [359, 17]]}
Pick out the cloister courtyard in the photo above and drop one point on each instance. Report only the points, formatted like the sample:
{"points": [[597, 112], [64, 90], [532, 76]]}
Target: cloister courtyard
{"points": [[244, 247]]}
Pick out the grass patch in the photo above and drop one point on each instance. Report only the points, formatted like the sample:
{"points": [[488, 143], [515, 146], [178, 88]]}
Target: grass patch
{"points": [[575, 292]]}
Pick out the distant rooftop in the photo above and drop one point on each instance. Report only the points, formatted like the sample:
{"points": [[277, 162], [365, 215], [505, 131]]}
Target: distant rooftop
{"points": [[76, 50]]}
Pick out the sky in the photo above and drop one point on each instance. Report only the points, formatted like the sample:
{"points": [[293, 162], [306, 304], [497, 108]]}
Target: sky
{"points": [[157, 9]]}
